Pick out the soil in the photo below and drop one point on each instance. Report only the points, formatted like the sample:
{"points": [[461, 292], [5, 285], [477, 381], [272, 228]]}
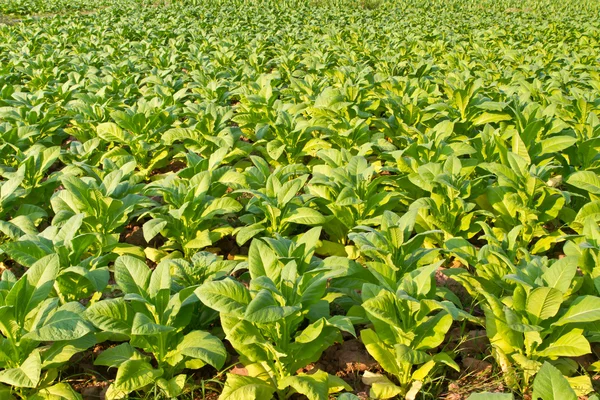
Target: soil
{"points": [[228, 248], [347, 360], [134, 235], [459, 290], [174, 166]]}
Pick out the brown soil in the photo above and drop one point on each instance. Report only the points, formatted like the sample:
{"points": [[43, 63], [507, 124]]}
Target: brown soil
{"points": [[174, 166], [455, 287], [228, 248], [347, 360], [133, 234]]}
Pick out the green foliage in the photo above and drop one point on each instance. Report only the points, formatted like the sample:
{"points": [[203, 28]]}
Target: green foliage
{"points": [[287, 174]]}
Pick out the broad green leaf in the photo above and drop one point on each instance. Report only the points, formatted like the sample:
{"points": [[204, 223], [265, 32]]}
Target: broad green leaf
{"points": [[204, 346], [61, 352], [561, 273], [556, 144], [60, 391], [550, 384], [314, 386], [381, 386], [226, 296], [144, 326], [135, 374], [132, 275], [488, 118], [115, 356], [405, 354], [583, 309], [25, 376], [223, 205], [519, 147], [265, 309], [384, 355], [153, 228], [305, 216], [111, 315], [586, 180], [543, 303], [111, 132], [62, 325], [248, 232], [571, 344], [238, 387]]}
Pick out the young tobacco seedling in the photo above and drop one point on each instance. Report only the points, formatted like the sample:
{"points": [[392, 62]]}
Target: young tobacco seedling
{"points": [[154, 320], [192, 218], [29, 317], [276, 207], [448, 206], [406, 323], [348, 188], [202, 267], [392, 251], [105, 210], [522, 197], [263, 323], [543, 320]]}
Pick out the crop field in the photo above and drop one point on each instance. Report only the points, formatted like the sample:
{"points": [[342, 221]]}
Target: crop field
{"points": [[299, 199]]}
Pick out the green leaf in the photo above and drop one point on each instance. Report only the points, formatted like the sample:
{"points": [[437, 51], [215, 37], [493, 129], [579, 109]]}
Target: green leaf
{"points": [[586, 180], [144, 326], [132, 275], [519, 148], [381, 386], [590, 211], [314, 386], [135, 374], [115, 356], [111, 315], [24, 252], [305, 216], [248, 232], [226, 296], [550, 384], [33, 287], [220, 206], [543, 303], [174, 386], [383, 354], [62, 325], [488, 118], [238, 387], [205, 347], [342, 323], [265, 309], [61, 352], [556, 144], [583, 309], [561, 273], [25, 376], [111, 132], [201, 240], [571, 344], [431, 333], [405, 354], [179, 134], [60, 391], [153, 228]]}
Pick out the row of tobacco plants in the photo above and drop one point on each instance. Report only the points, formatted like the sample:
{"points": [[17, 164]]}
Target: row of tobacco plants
{"points": [[189, 185]]}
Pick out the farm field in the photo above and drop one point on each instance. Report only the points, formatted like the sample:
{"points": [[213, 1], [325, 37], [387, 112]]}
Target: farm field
{"points": [[299, 199]]}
